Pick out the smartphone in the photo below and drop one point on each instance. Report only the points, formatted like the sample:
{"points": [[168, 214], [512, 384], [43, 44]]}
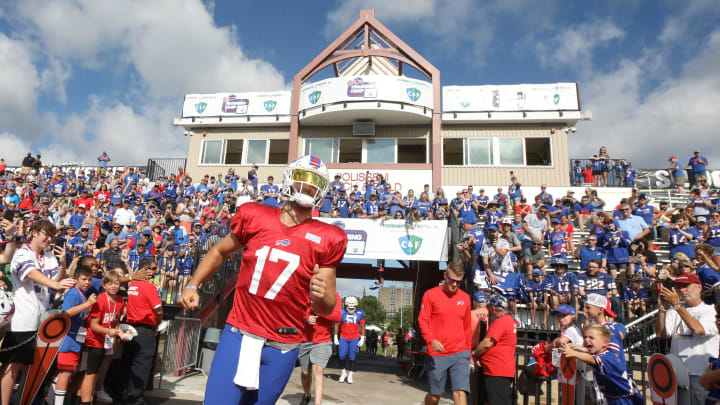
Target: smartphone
{"points": [[59, 242]]}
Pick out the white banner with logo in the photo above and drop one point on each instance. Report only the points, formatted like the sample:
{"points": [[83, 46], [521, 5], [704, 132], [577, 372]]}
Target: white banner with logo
{"points": [[367, 88], [236, 104], [514, 97], [393, 239], [400, 180]]}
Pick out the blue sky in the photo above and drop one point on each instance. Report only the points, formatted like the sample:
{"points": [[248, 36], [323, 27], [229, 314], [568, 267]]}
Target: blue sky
{"points": [[81, 76]]}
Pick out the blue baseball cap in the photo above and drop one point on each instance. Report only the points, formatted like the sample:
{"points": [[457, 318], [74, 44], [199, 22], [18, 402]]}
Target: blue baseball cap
{"points": [[466, 221], [480, 297], [537, 272], [492, 227], [564, 309]]}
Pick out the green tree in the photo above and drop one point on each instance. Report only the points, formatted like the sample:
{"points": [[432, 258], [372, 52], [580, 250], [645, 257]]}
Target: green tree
{"points": [[407, 320], [374, 310]]}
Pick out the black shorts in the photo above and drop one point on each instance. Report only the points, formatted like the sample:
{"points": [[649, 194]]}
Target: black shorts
{"points": [[605, 170], [24, 354], [596, 172], [92, 358]]}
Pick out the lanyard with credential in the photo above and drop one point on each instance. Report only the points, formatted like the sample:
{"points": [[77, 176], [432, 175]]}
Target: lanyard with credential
{"points": [[113, 310]]}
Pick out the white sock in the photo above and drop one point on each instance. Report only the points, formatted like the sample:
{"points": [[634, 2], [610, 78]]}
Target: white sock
{"points": [[59, 397]]}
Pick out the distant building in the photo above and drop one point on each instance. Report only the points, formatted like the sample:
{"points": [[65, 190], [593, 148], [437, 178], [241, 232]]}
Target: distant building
{"points": [[393, 298]]}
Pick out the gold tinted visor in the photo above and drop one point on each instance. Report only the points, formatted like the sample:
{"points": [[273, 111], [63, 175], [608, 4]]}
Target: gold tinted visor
{"points": [[309, 177]]}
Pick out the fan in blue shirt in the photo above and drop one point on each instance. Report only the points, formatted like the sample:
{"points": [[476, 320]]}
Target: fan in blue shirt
{"points": [[682, 239], [630, 175]]}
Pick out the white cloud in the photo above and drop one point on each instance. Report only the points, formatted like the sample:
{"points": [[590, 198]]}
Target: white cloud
{"points": [[574, 46], [18, 87], [676, 116], [339, 19], [14, 148], [174, 46], [680, 24], [346, 286]]}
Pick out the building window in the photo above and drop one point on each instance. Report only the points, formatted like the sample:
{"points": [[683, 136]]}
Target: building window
{"points": [[380, 150], [256, 151], [535, 151], [278, 154], [233, 151], [453, 152], [479, 152], [321, 148], [510, 151], [211, 152], [411, 150], [350, 150]]}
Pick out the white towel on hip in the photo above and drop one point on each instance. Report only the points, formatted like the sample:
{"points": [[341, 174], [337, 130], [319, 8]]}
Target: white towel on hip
{"points": [[247, 374]]}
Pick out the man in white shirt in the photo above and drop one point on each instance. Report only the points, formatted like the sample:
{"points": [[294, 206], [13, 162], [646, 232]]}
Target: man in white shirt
{"points": [[124, 216], [535, 225], [36, 272], [692, 328]]}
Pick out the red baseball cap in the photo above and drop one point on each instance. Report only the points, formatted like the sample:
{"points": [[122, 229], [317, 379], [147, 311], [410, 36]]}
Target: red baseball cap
{"points": [[687, 279], [673, 158]]}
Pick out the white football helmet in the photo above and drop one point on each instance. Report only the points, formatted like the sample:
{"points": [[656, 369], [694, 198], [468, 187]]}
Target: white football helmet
{"points": [[305, 181], [351, 304], [7, 307]]}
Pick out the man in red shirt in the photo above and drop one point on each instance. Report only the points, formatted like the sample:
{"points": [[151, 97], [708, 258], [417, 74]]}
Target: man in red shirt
{"points": [[144, 313], [446, 326], [317, 349], [496, 353]]}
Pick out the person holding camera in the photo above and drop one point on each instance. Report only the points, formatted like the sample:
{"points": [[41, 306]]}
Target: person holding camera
{"points": [[38, 268], [690, 323]]}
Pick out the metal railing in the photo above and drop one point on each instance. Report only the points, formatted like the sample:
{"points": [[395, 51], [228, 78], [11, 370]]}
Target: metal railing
{"points": [[181, 346], [163, 167]]}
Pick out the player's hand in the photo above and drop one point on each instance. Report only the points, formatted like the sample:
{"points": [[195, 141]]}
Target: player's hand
{"points": [[311, 320], [65, 284], [189, 299], [143, 274], [92, 299], [437, 346], [361, 342], [492, 279], [336, 341], [59, 252], [317, 285]]}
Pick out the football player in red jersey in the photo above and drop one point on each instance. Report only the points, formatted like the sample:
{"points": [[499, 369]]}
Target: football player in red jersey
{"points": [[287, 266]]}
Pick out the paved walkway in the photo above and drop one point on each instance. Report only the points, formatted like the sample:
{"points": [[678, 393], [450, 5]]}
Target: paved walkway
{"points": [[378, 380]]}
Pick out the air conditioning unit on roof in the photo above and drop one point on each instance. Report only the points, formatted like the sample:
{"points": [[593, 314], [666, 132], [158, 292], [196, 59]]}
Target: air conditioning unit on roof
{"points": [[364, 128]]}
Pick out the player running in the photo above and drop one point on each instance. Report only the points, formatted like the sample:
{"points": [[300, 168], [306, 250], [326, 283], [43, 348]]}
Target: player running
{"points": [[352, 336], [287, 266]]}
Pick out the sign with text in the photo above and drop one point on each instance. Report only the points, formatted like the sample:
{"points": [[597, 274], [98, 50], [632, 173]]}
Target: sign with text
{"points": [[397, 89], [514, 97], [393, 239], [236, 104], [400, 180]]}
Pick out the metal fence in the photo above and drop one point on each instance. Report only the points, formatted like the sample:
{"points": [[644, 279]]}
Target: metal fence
{"points": [[181, 345], [163, 167], [615, 178]]}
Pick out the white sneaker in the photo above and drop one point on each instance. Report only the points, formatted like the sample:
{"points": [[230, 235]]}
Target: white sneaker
{"points": [[343, 375], [350, 379]]}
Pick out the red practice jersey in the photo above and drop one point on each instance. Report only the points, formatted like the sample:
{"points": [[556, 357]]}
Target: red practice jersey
{"points": [[321, 332], [273, 286]]}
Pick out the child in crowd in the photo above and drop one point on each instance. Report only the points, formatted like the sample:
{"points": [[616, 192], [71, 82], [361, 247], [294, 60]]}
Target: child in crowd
{"points": [[597, 309], [634, 297], [536, 289], [609, 367], [563, 284], [103, 327], [570, 333], [577, 173], [76, 306]]}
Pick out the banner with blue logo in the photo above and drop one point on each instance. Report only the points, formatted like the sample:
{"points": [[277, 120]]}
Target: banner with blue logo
{"points": [[397, 89], [393, 239], [236, 104]]}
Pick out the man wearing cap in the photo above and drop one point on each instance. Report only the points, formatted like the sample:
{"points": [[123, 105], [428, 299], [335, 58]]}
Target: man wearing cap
{"points": [[678, 173], [533, 257], [697, 164], [76, 245], [370, 208], [634, 225], [496, 353], [78, 218], [690, 323], [535, 226], [270, 193], [124, 216], [479, 319], [445, 325]]}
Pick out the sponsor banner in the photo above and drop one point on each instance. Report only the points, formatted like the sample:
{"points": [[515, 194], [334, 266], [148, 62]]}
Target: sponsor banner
{"points": [[393, 239], [400, 180], [397, 89], [236, 104], [514, 97], [662, 179]]}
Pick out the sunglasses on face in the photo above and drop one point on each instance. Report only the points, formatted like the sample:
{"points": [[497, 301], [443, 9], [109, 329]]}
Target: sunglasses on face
{"points": [[455, 282]]}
